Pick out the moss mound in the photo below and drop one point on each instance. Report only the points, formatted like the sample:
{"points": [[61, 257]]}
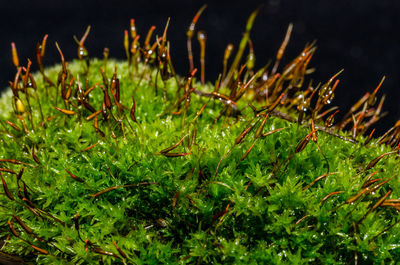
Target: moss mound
{"points": [[127, 163]]}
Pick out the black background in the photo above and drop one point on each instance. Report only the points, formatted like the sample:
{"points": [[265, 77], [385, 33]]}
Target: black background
{"points": [[360, 36]]}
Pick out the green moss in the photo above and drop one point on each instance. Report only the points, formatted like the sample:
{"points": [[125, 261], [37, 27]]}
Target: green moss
{"points": [[259, 210]]}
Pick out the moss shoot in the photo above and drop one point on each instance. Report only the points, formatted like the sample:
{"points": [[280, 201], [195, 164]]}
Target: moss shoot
{"points": [[112, 162]]}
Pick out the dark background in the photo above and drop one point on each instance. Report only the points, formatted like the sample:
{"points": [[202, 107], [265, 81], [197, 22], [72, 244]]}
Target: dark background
{"points": [[360, 36]]}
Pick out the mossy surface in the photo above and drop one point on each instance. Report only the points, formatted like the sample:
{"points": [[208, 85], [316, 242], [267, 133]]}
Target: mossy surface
{"points": [[257, 211], [127, 163]]}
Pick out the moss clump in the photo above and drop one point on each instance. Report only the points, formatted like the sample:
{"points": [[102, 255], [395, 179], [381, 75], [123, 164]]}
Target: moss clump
{"points": [[191, 173]]}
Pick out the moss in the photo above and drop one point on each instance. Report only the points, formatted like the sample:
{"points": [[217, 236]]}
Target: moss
{"points": [[128, 200]]}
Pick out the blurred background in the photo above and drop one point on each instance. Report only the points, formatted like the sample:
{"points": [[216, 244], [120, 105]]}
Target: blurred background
{"points": [[361, 36]]}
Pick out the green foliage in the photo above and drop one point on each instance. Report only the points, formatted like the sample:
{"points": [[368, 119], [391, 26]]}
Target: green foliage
{"points": [[255, 211], [127, 163]]}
